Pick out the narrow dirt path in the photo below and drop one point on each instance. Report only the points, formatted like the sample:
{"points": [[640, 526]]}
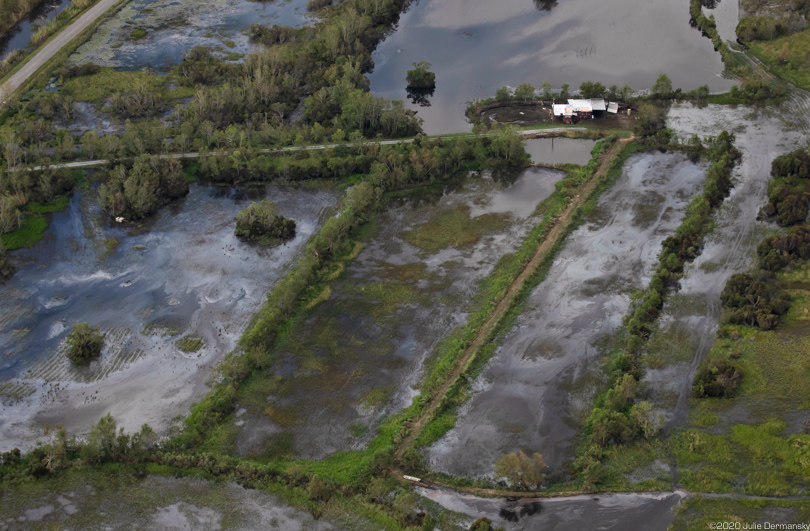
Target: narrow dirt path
{"points": [[559, 228]]}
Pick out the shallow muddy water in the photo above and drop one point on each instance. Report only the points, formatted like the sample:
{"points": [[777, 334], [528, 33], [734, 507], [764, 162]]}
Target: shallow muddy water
{"points": [[19, 36], [183, 275], [560, 150], [357, 356], [619, 512], [730, 248], [175, 27], [531, 394], [477, 46]]}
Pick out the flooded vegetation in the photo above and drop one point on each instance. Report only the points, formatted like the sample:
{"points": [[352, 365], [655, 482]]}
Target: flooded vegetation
{"points": [[181, 279], [358, 356], [155, 34], [19, 36], [535, 389]]}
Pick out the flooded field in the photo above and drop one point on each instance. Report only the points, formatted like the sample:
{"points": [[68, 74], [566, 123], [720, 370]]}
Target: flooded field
{"points": [[358, 355], [19, 37], [532, 394], [96, 501], [182, 276], [560, 150], [690, 318], [477, 46], [156, 33], [619, 512]]}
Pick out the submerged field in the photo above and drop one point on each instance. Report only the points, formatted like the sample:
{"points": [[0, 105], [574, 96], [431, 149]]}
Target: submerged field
{"points": [[171, 295], [535, 389], [358, 355]]}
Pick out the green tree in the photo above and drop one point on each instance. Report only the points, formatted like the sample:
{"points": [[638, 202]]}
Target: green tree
{"points": [[662, 86], [547, 94], [626, 92], [6, 267], [589, 89], [84, 344], [649, 120], [420, 76], [648, 422], [524, 92], [564, 92], [260, 222], [503, 94], [521, 470]]}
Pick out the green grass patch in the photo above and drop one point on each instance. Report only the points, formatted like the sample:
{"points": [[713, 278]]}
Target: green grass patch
{"points": [[787, 56], [137, 34], [32, 230], [453, 228], [57, 205], [190, 344], [97, 87]]}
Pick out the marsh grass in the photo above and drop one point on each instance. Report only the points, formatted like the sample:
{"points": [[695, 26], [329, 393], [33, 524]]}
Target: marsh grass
{"points": [[190, 344], [454, 228]]}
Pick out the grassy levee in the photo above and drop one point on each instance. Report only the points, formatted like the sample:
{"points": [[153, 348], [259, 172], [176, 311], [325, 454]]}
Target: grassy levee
{"points": [[616, 417], [444, 388]]}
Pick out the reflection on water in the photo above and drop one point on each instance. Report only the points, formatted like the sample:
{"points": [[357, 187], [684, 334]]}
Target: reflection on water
{"points": [[560, 150], [477, 46], [19, 36]]}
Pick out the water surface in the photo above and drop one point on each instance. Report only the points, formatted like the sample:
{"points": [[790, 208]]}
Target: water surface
{"points": [[560, 150], [19, 36], [477, 46]]}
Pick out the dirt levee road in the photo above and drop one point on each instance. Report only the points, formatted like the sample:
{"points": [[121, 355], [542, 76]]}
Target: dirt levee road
{"points": [[50, 49]]}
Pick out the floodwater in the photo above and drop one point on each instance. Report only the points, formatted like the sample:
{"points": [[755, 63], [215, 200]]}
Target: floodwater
{"points": [[560, 150], [358, 356], [19, 36], [175, 27], [619, 512], [726, 16], [477, 46], [533, 392], [731, 246], [184, 274]]}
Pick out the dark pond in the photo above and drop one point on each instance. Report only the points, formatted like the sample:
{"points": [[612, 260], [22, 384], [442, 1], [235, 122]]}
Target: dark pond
{"points": [[560, 150], [477, 46]]}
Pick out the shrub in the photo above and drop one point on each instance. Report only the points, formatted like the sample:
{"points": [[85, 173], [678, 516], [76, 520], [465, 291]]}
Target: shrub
{"points": [[259, 222], [753, 302], [716, 379], [520, 469], [6, 267], [84, 344], [777, 252], [138, 192]]}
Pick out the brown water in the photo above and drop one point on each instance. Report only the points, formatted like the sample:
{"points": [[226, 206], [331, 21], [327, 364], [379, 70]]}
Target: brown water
{"points": [[532, 393], [477, 46], [183, 274], [560, 150]]}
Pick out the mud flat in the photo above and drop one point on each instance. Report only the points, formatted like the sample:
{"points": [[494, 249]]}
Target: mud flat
{"points": [[477, 46], [537, 386], [642, 512], [182, 276], [690, 318], [172, 28], [560, 150], [357, 356]]}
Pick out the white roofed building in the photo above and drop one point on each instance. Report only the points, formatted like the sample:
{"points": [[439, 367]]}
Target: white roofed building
{"points": [[578, 109]]}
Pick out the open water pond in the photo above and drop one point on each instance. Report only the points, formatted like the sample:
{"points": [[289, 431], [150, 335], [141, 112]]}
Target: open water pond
{"points": [[357, 355], [619, 512], [477, 46], [171, 28], [560, 150], [19, 36], [182, 275], [539, 381]]}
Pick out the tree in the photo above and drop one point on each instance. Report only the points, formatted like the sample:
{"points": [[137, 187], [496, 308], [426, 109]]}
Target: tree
{"points": [[643, 415], [259, 222], [84, 344], [502, 94], [626, 93], [547, 94], [6, 267], [521, 470], [589, 89], [482, 524], [524, 92], [717, 378], [649, 120], [662, 86], [420, 76], [318, 489]]}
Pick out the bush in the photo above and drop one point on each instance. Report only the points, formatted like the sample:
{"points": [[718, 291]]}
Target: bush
{"points": [[138, 192], [420, 76], [6, 267], [84, 344], [788, 199], [260, 223], [520, 469], [777, 252], [716, 379], [753, 302]]}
